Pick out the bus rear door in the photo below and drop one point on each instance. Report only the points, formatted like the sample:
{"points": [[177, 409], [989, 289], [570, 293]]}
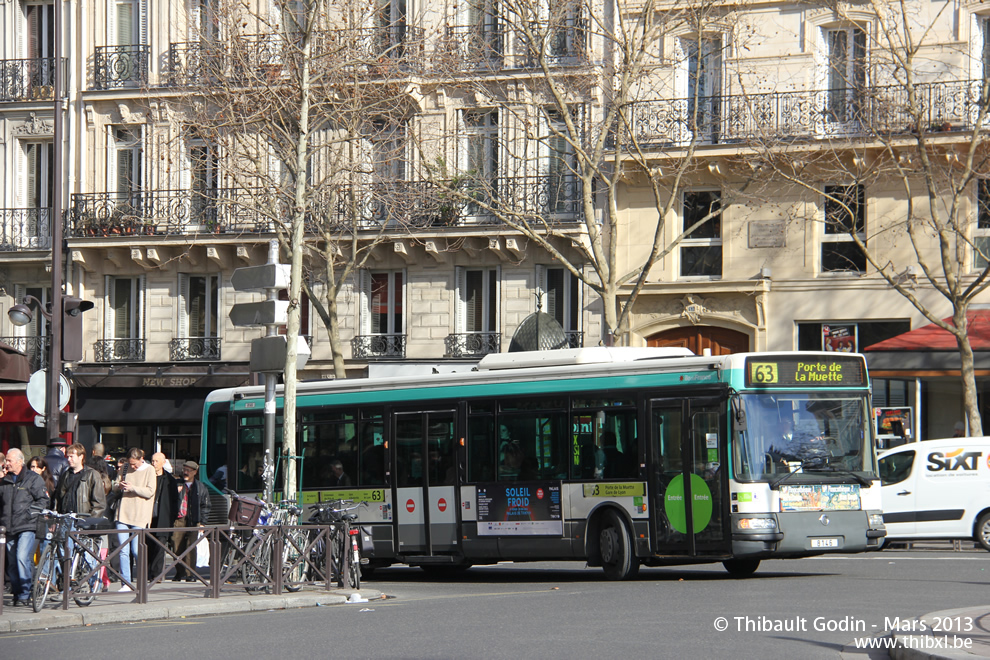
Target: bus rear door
{"points": [[688, 483], [425, 504]]}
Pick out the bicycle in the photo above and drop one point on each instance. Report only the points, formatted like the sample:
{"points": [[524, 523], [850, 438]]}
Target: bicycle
{"points": [[345, 553], [85, 551], [256, 546]]}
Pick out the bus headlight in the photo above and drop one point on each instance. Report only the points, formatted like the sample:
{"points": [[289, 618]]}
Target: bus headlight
{"points": [[756, 524], [876, 520]]}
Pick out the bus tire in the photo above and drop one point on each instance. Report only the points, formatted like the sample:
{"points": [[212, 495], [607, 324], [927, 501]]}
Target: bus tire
{"points": [[740, 568], [983, 531], [615, 548]]}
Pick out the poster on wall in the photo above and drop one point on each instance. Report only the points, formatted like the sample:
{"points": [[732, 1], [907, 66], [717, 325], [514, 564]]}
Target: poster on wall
{"points": [[529, 508], [839, 338]]}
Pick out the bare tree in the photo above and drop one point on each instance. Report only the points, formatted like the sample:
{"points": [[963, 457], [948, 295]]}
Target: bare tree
{"points": [[300, 108], [888, 117], [582, 127]]}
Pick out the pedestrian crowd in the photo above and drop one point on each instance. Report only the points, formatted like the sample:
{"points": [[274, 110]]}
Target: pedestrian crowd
{"points": [[134, 495]]}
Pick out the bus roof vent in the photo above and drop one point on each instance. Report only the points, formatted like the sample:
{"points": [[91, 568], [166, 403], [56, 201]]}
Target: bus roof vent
{"points": [[574, 356]]}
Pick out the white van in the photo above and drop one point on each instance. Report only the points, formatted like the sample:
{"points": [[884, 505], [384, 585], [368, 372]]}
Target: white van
{"points": [[937, 489]]}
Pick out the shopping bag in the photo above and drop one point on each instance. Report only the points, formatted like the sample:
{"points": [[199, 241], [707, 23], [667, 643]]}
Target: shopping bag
{"points": [[103, 577], [203, 553]]}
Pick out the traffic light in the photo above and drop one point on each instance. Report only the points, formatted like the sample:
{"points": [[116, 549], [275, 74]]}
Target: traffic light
{"points": [[72, 329]]}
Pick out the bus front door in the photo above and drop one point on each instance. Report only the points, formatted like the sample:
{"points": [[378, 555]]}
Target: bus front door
{"points": [[425, 504], [687, 480]]}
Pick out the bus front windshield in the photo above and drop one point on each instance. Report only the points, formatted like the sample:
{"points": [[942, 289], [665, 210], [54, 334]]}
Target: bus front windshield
{"points": [[824, 433]]}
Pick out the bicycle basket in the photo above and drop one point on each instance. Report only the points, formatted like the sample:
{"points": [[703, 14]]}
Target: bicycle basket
{"points": [[244, 511]]}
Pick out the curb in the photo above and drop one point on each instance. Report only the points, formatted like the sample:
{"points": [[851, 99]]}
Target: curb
{"points": [[127, 613], [917, 646]]}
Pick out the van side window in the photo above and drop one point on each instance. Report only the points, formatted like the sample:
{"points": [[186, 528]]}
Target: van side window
{"points": [[895, 468]]}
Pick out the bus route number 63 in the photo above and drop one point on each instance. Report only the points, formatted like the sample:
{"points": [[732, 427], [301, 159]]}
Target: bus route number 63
{"points": [[763, 372]]}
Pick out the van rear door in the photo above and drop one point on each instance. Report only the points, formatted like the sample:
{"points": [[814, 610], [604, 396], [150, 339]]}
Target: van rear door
{"points": [[898, 477]]}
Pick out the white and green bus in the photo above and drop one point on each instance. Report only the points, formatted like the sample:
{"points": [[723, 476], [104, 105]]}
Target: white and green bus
{"points": [[618, 457]]}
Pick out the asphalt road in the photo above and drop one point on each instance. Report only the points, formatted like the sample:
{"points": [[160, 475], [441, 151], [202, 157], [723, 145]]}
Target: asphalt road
{"points": [[563, 610]]}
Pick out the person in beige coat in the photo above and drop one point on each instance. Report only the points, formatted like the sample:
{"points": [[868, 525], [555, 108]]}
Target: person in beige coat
{"points": [[136, 489]]}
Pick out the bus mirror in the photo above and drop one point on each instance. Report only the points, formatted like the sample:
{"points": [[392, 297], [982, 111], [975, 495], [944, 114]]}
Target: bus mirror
{"points": [[739, 414]]}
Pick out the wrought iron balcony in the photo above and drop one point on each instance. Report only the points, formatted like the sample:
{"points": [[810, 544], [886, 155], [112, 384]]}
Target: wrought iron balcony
{"points": [[167, 212], [263, 58], [378, 346], [472, 344], [25, 229], [121, 66], [194, 348], [36, 349], [422, 204], [29, 80], [575, 338], [814, 114], [471, 48], [563, 44], [120, 350]]}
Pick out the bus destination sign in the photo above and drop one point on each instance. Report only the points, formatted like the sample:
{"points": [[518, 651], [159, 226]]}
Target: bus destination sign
{"points": [[815, 370]]}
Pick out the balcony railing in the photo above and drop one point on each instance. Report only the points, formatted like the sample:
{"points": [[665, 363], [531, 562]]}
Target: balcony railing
{"points": [[565, 44], [378, 346], [575, 338], [472, 344], [814, 114], [29, 80], [121, 66], [120, 350], [194, 348], [265, 58], [471, 47], [25, 229], [36, 349], [168, 212]]}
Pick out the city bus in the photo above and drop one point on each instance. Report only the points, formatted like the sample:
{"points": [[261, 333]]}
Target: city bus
{"points": [[618, 457]]}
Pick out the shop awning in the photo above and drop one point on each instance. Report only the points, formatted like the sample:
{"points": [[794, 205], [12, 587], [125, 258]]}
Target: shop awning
{"points": [[14, 365], [930, 350]]}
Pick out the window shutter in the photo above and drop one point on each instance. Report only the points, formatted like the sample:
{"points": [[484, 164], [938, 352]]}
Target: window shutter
{"points": [[33, 47], [541, 284], [139, 312], [364, 308], [108, 307], [182, 326], [491, 324], [460, 299], [143, 22], [399, 301]]}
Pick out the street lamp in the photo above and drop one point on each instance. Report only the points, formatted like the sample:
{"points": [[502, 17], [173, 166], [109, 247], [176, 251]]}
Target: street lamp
{"points": [[65, 344]]}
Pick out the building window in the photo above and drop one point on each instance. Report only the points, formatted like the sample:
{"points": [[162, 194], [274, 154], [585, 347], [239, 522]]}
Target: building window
{"points": [[981, 234], [477, 300], [704, 62], [819, 336], [701, 248], [304, 328], [204, 168], [845, 72], [39, 174], [560, 165], [125, 300], [383, 303], [561, 298], [845, 215], [480, 158], [199, 297], [126, 169]]}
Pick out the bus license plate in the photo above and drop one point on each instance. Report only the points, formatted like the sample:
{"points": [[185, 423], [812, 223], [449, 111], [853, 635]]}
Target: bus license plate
{"points": [[824, 543]]}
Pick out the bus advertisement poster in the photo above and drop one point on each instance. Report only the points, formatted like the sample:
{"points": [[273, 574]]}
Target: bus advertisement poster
{"points": [[820, 497], [530, 508]]}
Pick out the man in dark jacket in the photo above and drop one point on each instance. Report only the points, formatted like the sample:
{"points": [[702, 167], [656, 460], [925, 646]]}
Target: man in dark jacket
{"points": [[56, 457], [194, 509], [20, 491], [80, 488], [162, 514]]}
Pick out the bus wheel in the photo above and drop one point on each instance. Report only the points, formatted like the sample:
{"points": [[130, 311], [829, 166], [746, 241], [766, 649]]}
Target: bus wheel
{"points": [[615, 548], [983, 531], [741, 568]]}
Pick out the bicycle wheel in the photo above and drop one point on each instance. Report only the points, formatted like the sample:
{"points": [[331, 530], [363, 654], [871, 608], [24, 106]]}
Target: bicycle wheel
{"points": [[82, 564], [295, 565], [44, 575], [354, 564], [255, 573], [340, 558]]}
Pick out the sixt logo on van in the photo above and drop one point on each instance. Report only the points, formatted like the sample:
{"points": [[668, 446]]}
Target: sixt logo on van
{"points": [[954, 460]]}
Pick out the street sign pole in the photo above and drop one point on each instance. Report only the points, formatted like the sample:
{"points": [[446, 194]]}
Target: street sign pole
{"points": [[270, 380]]}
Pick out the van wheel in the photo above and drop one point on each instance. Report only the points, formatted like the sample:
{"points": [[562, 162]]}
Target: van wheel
{"points": [[983, 531]]}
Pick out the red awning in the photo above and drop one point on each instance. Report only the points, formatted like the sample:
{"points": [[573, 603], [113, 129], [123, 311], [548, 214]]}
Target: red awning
{"points": [[933, 338]]}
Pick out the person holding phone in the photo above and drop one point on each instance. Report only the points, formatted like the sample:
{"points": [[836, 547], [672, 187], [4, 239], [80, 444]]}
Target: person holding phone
{"points": [[136, 489]]}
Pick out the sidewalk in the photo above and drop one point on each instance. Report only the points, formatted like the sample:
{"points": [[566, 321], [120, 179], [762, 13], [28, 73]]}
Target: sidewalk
{"points": [[167, 601], [949, 634]]}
